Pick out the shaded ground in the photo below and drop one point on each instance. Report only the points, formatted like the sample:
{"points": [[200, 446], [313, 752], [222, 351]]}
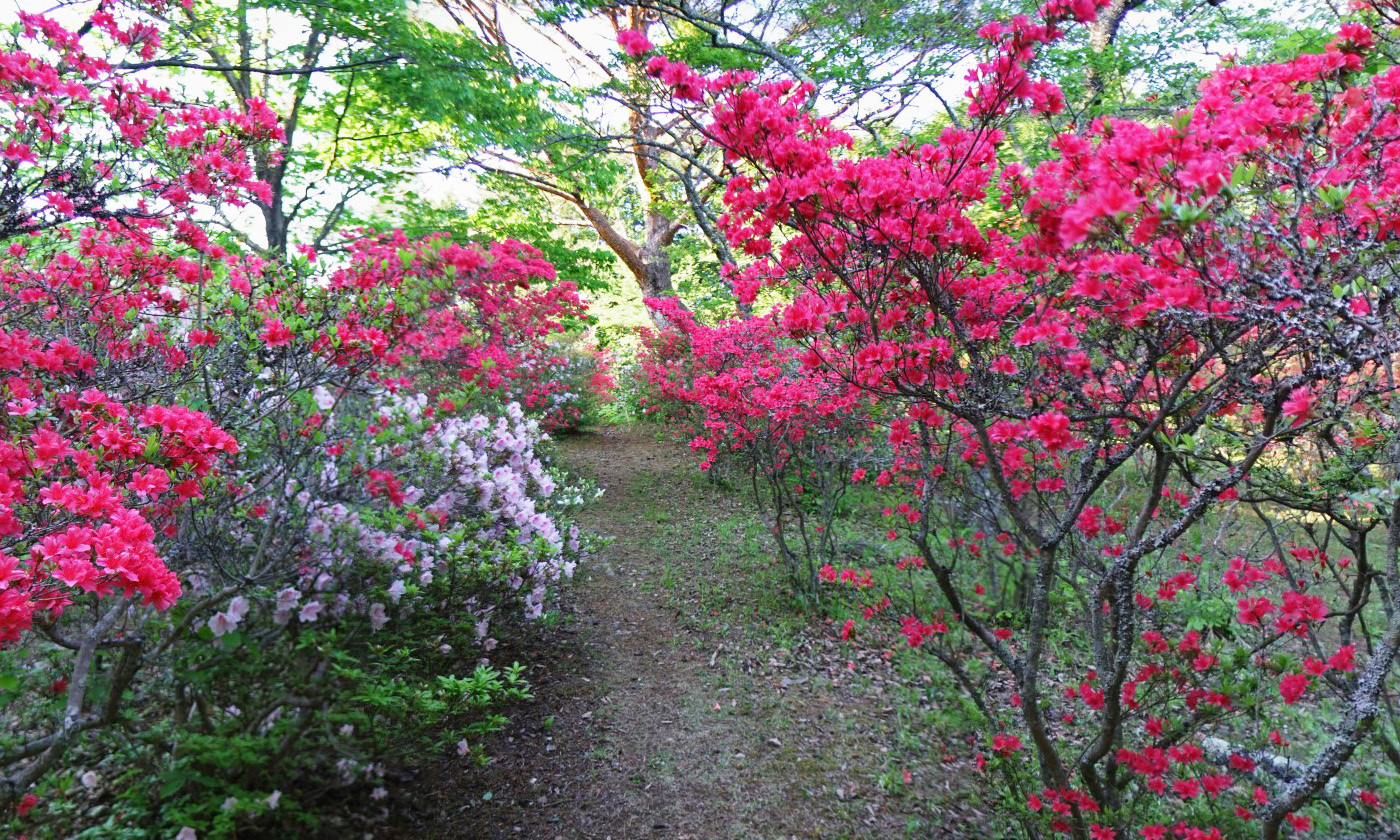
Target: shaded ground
{"points": [[679, 697]]}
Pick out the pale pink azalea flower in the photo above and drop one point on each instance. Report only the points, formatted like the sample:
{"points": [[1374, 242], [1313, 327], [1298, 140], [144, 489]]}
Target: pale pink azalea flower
{"points": [[237, 608], [222, 623], [325, 400]]}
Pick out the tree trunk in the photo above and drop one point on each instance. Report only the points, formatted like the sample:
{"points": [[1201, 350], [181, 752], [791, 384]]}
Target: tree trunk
{"points": [[1102, 33], [275, 222], [655, 279]]}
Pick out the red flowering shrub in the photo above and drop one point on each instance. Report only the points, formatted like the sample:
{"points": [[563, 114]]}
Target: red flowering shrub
{"points": [[490, 321], [788, 424], [88, 472], [1165, 332]]}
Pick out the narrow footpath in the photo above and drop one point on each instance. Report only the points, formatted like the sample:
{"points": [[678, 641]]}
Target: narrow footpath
{"points": [[679, 697]]}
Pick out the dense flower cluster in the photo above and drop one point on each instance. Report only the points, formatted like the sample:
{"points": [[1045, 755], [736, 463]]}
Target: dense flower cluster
{"points": [[483, 317], [494, 496], [749, 396]]}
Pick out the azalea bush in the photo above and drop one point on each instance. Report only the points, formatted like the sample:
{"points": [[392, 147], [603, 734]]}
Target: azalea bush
{"points": [[800, 434], [501, 324], [233, 491], [1139, 405], [350, 515], [569, 388]]}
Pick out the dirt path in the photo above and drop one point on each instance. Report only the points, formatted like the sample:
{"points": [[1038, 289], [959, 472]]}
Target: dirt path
{"points": [[678, 698]]}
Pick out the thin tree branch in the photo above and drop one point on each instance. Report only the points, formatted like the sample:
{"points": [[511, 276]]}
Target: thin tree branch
{"points": [[264, 71]]}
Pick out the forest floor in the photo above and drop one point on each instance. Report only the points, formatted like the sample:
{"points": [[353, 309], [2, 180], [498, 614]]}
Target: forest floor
{"points": [[680, 694]]}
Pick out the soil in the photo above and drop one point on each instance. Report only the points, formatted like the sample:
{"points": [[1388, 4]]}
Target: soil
{"points": [[679, 694]]}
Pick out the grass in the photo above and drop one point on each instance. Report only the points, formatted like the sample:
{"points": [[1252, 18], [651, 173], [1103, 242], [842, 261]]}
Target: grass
{"points": [[766, 616], [710, 656]]}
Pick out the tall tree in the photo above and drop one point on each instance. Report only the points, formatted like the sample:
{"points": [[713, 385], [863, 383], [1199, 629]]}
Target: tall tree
{"points": [[363, 88]]}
